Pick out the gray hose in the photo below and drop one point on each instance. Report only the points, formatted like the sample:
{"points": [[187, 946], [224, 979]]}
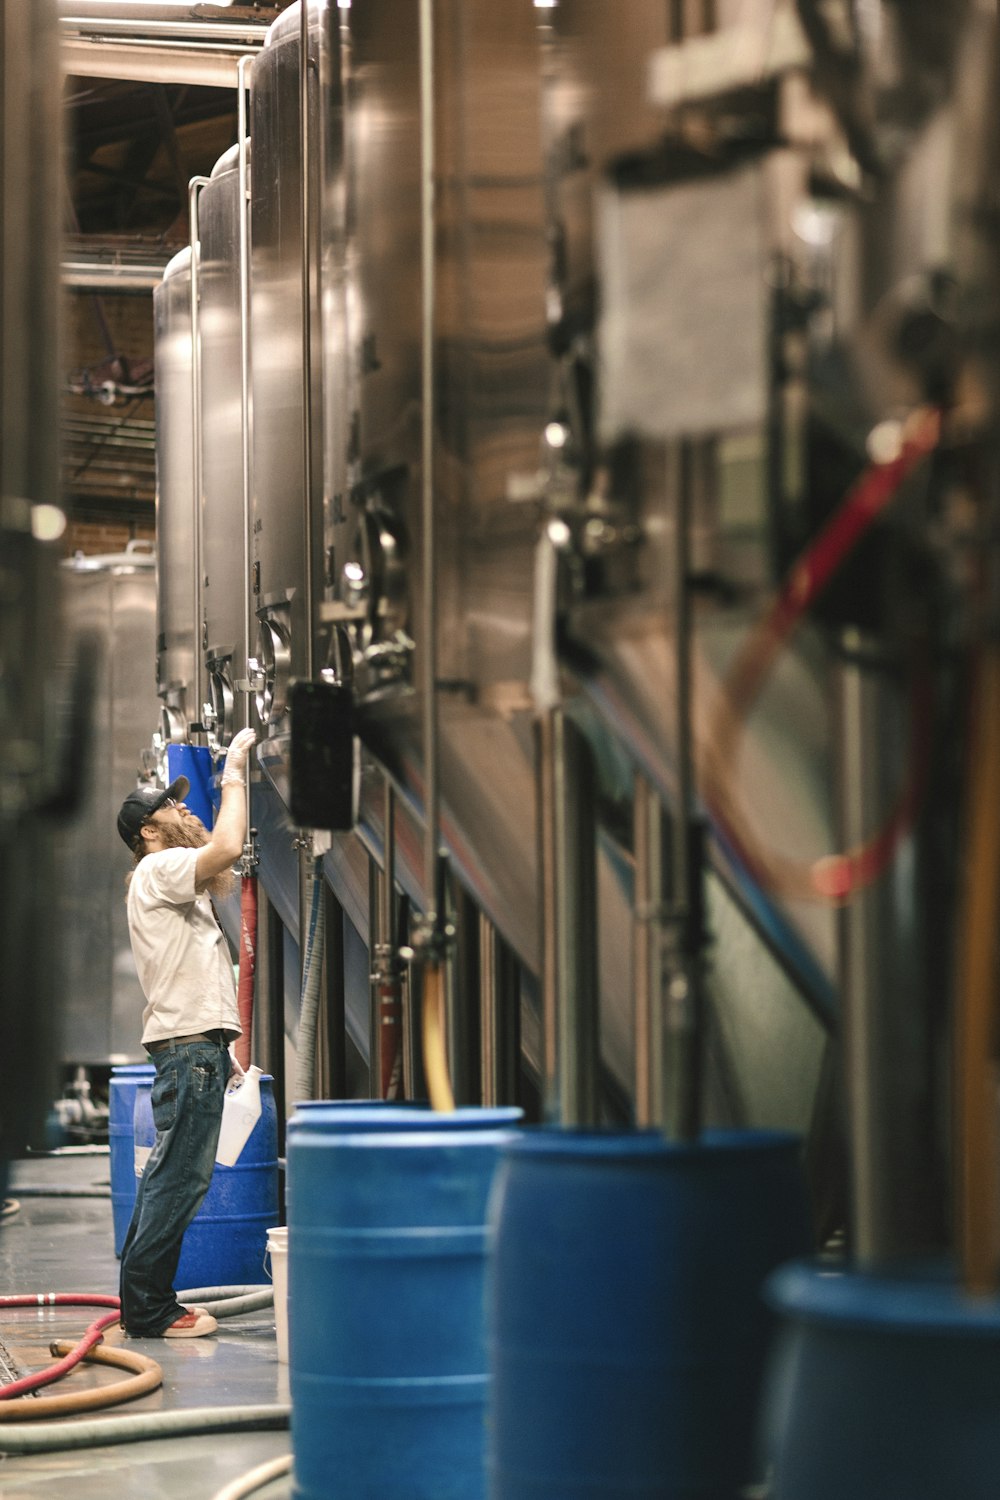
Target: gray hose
{"points": [[312, 975], [52, 1437], [230, 1307]]}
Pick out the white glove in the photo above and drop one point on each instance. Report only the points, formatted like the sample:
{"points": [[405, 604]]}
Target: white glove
{"points": [[236, 757]]}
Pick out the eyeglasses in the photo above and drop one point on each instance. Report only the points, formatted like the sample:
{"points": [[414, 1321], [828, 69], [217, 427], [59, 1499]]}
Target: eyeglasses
{"points": [[168, 802]]}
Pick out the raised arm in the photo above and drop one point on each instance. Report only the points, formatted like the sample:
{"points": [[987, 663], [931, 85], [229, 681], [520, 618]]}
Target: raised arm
{"points": [[226, 843]]}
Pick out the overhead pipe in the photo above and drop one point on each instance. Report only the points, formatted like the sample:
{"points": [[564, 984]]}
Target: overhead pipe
{"points": [[197, 457]]}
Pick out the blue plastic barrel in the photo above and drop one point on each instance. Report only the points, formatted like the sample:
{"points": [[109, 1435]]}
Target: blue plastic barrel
{"points": [[121, 1141], [387, 1244], [225, 1243], [883, 1388], [628, 1333]]}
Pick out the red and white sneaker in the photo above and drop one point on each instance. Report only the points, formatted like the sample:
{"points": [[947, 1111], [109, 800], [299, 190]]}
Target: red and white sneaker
{"points": [[193, 1324]]}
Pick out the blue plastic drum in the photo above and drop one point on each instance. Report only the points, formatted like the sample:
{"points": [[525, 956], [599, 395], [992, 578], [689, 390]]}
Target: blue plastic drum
{"points": [[883, 1388], [121, 1142], [627, 1328], [225, 1243], [387, 1248]]}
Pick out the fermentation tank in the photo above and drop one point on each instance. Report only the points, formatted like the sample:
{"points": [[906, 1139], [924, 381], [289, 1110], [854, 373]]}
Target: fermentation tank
{"points": [[223, 628], [111, 602], [175, 510], [286, 515]]}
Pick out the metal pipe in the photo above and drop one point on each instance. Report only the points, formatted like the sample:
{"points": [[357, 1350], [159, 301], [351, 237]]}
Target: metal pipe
{"points": [[386, 1031], [245, 407], [307, 304], [896, 1191], [567, 864], [197, 457], [139, 25], [428, 622], [677, 1081], [167, 61], [500, 1011], [650, 886], [111, 276]]}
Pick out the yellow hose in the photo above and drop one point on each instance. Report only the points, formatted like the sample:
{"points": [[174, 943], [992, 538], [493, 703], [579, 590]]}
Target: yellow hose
{"points": [[435, 1056], [144, 1376], [976, 989]]}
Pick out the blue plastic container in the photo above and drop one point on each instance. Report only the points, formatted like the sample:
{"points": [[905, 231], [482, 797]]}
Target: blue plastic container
{"points": [[628, 1333], [225, 1243], [883, 1389], [387, 1252], [195, 762], [121, 1142]]}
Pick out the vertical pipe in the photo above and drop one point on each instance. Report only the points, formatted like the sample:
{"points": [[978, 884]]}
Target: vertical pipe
{"points": [[197, 456], [463, 995], [331, 1045], [245, 396], [500, 1012], [978, 1156], [647, 980], [677, 1082], [386, 1066], [428, 621], [307, 306], [567, 863], [895, 1189]]}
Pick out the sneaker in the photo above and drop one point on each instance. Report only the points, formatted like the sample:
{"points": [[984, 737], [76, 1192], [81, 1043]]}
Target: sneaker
{"points": [[193, 1324]]}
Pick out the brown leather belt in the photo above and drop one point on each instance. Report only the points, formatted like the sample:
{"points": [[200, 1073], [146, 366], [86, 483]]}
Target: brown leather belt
{"points": [[219, 1036]]}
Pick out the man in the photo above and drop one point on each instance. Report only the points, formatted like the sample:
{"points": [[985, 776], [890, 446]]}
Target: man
{"points": [[190, 1020]]}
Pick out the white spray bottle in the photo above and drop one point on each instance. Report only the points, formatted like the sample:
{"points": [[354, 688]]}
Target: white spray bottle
{"points": [[240, 1113]]}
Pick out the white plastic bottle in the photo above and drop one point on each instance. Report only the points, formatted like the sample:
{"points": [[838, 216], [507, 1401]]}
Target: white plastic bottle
{"points": [[240, 1113]]}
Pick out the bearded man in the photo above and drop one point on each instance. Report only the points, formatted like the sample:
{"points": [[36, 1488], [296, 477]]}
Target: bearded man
{"points": [[189, 1024]]}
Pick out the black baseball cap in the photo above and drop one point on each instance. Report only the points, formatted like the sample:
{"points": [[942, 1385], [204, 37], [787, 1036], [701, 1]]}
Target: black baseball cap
{"points": [[140, 805]]}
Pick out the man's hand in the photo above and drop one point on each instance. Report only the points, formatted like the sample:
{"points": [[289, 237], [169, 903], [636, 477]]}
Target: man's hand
{"points": [[236, 757], [237, 1075]]}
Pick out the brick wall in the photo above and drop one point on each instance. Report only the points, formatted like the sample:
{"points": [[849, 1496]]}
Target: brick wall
{"points": [[98, 535]]}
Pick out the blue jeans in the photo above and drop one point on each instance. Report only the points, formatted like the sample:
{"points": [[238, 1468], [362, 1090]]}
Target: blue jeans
{"points": [[187, 1096]]}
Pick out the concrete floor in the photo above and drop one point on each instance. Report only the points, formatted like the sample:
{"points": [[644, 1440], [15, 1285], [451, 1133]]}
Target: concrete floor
{"points": [[61, 1239]]}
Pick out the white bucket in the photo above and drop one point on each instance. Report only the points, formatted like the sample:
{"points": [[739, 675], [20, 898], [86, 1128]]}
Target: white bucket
{"points": [[277, 1251]]}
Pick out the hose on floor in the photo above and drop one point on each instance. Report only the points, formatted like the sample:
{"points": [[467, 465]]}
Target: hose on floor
{"points": [[247, 1484], [105, 1432], [229, 1301], [144, 1375]]}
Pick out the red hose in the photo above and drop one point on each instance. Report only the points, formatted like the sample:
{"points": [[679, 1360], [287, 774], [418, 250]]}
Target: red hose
{"points": [[92, 1336], [834, 877], [248, 963]]}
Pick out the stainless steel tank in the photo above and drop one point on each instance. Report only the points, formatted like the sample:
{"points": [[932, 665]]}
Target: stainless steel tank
{"points": [[112, 602], [286, 550], [223, 625], [175, 509]]}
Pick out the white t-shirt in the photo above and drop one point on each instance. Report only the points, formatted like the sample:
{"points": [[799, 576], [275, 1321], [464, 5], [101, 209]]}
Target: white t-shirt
{"points": [[180, 952]]}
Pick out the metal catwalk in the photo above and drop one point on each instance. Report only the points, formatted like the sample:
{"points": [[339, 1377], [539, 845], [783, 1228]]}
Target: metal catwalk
{"points": [[61, 1239]]}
